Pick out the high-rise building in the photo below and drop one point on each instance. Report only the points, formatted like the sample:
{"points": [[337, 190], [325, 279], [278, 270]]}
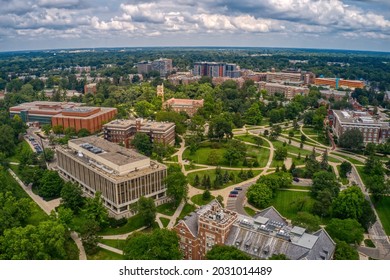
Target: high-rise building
{"points": [[144, 67], [216, 69], [121, 175], [261, 236], [162, 65]]}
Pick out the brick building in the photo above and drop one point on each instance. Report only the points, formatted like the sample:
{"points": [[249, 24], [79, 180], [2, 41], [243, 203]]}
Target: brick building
{"points": [[339, 83], [288, 91], [67, 114], [123, 131], [121, 175], [374, 129], [189, 106], [262, 236], [90, 88]]}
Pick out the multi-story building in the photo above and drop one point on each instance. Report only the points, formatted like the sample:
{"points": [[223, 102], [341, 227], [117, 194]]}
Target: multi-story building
{"points": [[189, 106], [67, 114], [374, 129], [339, 83], [216, 69], [335, 94], [123, 131], [121, 175], [144, 67], [90, 88], [183, 78], [262, 236], [288, 91], [162, 65]]}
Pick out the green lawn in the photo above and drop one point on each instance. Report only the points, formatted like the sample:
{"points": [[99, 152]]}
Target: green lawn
{"points": [[383, 209], [202, 154], [164, 221], [187, 209], [198, 199], [132, 224], [104, 254], [292, 149], [251, 139], [188, 167], [174, 158], [352, 160], [249, 211], [332, 159], [363, 175], [211, 173], [369, 243], [166, 209], [310, 131], [306, 188], [285, 203], [117, 243]]}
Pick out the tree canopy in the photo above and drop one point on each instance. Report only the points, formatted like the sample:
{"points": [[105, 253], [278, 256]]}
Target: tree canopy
{"points": [[347, 230], [223, 252]]}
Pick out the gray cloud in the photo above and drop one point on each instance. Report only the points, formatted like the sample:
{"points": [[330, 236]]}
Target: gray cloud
{"points": [[118, 19]]}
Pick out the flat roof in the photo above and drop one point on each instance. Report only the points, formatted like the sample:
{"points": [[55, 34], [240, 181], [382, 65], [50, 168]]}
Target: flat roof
{"points": [[145, 124], [111, 152]]}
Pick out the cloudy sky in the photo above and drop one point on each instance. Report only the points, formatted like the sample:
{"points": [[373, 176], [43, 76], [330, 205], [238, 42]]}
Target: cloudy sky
{"points": [[336, 24]]}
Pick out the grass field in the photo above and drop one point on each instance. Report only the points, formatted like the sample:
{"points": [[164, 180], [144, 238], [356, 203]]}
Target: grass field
{"points": [[211, 173], [166, 209], [132, 224], [198, 199], [187, 209], [164, 221], [104, 254], [383, 209], [117, 243], [286, 203], [251, 139], [292, 149], [174, 158], [188, 167], [352, 160], [201, 156], [249, 211], [20, 148], [362, 174]]}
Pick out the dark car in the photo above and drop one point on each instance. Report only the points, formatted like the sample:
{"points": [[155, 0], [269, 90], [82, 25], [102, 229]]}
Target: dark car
{"points": [[296, 179], [234, 192], [238, 188]]}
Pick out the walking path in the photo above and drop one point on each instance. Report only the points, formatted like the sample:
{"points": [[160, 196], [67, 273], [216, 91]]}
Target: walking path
{"points": [[121, 236], [109, 248], [176, 215], [82, 255]]}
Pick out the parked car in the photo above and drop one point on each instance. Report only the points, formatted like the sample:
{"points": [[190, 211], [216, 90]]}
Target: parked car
{"points": [[232, 195], [234, 192], [296, 179], [238, 188]]}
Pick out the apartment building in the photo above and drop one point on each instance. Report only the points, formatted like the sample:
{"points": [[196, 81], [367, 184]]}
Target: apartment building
{"points": [[189, 106], [162, 65], [123, 131], [262, 236], [120, 174], [216, 69], [374, 129], [288, 91]]}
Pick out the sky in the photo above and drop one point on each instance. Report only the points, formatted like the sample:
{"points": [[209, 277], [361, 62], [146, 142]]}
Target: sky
{"points": [[330, 24]]}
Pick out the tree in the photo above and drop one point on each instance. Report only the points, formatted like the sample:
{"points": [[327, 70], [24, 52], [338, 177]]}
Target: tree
{"points": [[160, 244], [90, 237], [144, 109], [347, 230], [46, 128], [324, 180], [373, 166], [50, 185], [13, 212], [213, 158], [324, 160], [95, 210], [142, 143], [177, 187], [7, 139], [349, 204], [307, 220], [259, 141], [352, 139], [276, 181], [220, 127], [276, 130], [71, 196], [280, 153], [345, 168], [260, 195], [58, 129], [196, 181], [223, 252], [235, 151], [378, 186], [83, 132], [49, 154], [253, 114], [344, 251], [147, 210]]}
